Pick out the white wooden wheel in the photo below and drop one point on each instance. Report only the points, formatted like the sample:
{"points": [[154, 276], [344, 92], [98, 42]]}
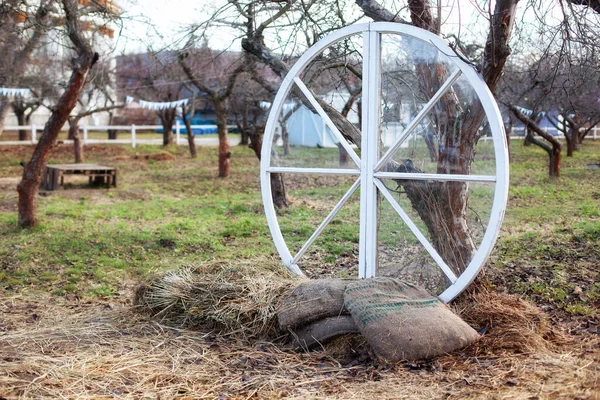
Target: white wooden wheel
{"points": [[410, 55]]}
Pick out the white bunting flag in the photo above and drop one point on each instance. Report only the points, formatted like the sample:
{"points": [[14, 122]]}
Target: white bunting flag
{"points": [[12, 92], [157, 105]]}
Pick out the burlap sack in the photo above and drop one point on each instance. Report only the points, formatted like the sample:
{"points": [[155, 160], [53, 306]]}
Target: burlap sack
{"points": [[311, 301], [322, 331], [404, 322]]}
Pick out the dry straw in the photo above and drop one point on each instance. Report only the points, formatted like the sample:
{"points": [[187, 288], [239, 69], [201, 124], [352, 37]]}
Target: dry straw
{"points": [[97, 353], [238, 299]]}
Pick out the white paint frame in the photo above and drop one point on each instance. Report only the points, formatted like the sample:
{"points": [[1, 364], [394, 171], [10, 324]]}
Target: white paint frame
{"points": [[369, 174]]}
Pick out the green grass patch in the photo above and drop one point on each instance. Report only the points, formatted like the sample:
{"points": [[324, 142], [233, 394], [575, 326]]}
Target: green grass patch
{"points": [[173, 211]]}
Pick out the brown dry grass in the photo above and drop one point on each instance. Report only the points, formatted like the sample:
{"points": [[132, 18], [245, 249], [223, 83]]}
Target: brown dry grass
{"points": [[80, 351], [233, 297], [118, 354]]}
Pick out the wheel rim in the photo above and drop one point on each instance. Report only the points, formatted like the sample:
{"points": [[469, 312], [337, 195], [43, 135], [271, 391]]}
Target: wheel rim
{"points": [[369, 167]]}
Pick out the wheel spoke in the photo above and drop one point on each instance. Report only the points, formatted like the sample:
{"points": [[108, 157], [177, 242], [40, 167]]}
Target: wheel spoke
{"points": [[327, 220], [316, 171], [415, 122], [435, 177], [327, 120], [415, 230]]}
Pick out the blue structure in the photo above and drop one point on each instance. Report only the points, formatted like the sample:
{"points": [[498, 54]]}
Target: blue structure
{"points": [[205, 128]]}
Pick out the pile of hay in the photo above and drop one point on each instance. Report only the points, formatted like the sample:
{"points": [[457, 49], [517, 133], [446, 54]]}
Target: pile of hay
{"points": [[238, 299], [510, 324]]}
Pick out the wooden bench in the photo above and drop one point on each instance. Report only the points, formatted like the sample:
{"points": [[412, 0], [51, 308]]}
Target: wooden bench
{"points": [[54, 175]]}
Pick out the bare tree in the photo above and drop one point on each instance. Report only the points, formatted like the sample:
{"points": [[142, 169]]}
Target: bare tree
{"points": [[96, 97], [152, 77], [82, 62], [217, 87], [23, 109], [22, 28], [552, 146], [187, 114]]}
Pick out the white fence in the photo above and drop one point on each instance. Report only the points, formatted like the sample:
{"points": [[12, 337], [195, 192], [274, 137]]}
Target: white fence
{"points": [[131, 130], [519, 132]]}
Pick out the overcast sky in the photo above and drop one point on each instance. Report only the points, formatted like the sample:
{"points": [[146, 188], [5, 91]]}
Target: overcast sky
{"points": [[145, 20]]}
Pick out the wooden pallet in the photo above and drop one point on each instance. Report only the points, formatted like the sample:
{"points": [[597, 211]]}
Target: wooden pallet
{"points": [[54, 175]]}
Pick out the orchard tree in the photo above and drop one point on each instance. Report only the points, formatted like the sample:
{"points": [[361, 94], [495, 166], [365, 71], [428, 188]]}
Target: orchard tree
{"points": [[74, 18], [154, 76], [23, 25], [187, 114], [214, 75], [97, 97], [40, 79]]}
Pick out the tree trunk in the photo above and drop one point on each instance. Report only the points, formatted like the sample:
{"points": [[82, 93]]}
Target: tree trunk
{"points": [[77, 142], [285, 138], [570, 144], [433, 156], [244, 139], [224, 153], [21, 120], [552, 145], [278, 193], [113, 134], [344, 156], [4, 103], [190, 135], [167, 120], [554, 164], [573, 139], [508, 131], [32, 174]]}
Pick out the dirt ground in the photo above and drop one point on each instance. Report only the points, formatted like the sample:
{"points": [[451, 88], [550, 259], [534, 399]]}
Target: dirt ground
{"points": [[75, 349]]}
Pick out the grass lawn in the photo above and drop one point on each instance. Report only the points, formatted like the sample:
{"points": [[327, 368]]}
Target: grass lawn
{"points": [[67, 328]]}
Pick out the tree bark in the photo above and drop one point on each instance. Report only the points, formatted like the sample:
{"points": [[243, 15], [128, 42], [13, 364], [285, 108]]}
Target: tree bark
{"points": [[77, 142], [3, 112], [553, 146], [112, 133], [278, 192], [224, 153], [167, 120], [244, 139], [21, 121], [508, 131], [190, 135]]}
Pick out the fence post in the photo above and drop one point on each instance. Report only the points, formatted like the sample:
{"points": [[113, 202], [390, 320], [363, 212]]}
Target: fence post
{"points": [[177, 132], [85, 134], [595, 131], [33, 134], [133, 136]]}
